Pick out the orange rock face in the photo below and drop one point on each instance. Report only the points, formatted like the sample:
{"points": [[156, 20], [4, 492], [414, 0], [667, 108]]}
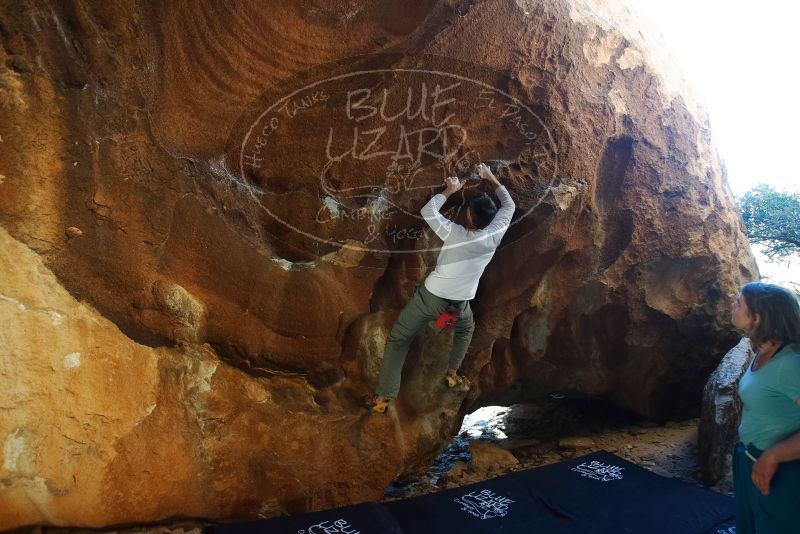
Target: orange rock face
{"points": [[221, 203]]}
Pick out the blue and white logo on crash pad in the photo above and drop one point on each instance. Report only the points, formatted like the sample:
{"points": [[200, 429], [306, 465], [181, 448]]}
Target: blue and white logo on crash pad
{"points": [[599, 471], [484, 504]]}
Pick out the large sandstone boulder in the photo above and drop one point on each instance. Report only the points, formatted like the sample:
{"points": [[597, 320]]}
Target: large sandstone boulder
{"points": [[227, 248], [98, 429]]}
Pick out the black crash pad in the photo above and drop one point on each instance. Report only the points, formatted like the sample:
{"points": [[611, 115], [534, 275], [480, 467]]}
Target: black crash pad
{"points": [[597, 493]]}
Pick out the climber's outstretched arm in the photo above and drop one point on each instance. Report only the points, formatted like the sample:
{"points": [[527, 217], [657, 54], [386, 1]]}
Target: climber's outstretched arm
{"points": [[502, 219], [430, 211]]}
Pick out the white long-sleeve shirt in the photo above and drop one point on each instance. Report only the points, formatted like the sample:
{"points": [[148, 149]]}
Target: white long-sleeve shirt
{"points": [[465, 253]]}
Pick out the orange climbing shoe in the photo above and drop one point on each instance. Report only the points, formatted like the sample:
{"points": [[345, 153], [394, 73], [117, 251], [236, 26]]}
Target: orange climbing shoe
{"points": [[371, 404], [458, 380]]}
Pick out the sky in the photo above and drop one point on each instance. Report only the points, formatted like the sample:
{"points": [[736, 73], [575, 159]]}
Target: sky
{"points": [[742, 59]]}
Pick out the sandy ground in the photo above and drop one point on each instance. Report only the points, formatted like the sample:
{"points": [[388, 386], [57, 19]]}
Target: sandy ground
{"points": [[558, 429]]}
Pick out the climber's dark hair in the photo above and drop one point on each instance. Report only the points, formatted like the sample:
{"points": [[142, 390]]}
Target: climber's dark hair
{"points": [[778, 309], [483, 210]]}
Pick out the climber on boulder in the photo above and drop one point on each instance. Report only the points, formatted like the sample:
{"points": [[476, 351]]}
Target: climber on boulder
{"points": [[445, 293]]}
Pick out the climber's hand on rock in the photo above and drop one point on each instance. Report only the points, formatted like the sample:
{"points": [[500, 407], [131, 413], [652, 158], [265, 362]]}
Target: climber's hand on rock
{"points": [[453, 184], [485, 173]]}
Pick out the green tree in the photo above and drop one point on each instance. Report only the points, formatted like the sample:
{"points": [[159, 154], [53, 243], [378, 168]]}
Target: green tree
{"points": [[772, 219]]}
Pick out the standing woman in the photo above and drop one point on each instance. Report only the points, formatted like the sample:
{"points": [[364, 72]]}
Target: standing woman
{"points": [[766, 460]]}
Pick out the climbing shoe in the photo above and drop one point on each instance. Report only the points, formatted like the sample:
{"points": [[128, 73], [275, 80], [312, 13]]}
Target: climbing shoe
{"points": [[459, 381], [371, 404]]}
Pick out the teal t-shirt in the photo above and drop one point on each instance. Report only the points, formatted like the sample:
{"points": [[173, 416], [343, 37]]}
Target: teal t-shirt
{"points": [[770, 408]]}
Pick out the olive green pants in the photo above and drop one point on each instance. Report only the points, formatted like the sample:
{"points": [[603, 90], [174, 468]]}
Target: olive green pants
{"points": [[423, 308], [775, 513]]}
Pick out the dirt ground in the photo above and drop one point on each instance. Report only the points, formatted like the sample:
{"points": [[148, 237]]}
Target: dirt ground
{"points": [[561, 428]]}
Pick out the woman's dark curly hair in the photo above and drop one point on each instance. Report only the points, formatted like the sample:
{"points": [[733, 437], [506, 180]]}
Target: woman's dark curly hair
{"points": [[483, 210], [778, 309]]}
